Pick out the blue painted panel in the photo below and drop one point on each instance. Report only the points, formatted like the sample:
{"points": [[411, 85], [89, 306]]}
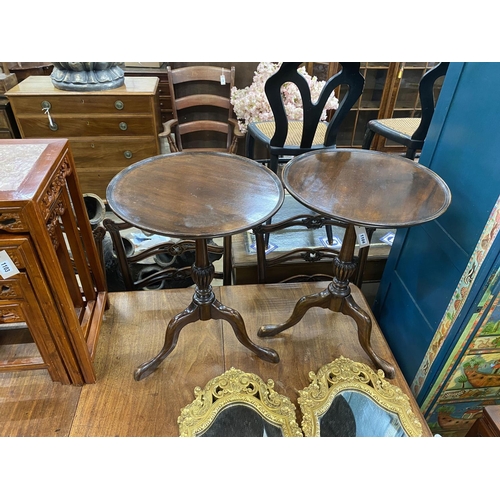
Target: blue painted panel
{"points": [[426, 262], [408, 333]]}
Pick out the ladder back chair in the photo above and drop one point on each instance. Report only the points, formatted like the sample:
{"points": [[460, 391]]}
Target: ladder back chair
{"points": [[292, 138], [203, 114]]}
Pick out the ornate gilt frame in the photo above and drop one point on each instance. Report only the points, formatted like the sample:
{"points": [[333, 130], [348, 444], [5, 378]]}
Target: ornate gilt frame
{"points": [[237, 387], [346, 375]]}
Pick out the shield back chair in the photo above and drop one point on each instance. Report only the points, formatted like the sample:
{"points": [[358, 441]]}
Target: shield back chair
{"points": [[284, 138], [292, 138], [409, 132], [203, 116]]}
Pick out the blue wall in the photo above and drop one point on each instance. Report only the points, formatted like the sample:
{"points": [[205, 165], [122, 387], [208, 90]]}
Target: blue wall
{"points": [[427, 261]]}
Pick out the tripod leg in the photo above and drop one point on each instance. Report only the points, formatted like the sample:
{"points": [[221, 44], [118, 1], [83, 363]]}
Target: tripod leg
{"points": [[364, 324], [233, 317], [321, 299], [176, 324]]}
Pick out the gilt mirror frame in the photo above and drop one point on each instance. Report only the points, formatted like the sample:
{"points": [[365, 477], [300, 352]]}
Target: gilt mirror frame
{"points": [[235, 387], [345, 375]]}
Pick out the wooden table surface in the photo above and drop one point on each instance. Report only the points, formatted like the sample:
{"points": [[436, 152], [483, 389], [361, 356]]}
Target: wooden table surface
{"points": [[195, 195], [132, 332], [367, 188]]}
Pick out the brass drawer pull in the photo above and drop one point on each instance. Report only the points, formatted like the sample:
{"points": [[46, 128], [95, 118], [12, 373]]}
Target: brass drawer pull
{"points": [[119, 105], [127, 154], [123, 126]]}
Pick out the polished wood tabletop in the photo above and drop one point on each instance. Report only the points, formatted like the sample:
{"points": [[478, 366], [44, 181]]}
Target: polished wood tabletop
{"points": [[367, 188], [195, 195]]}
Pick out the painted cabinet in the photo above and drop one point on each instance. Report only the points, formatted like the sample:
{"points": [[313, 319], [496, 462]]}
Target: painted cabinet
{"points": [[442, 274]]}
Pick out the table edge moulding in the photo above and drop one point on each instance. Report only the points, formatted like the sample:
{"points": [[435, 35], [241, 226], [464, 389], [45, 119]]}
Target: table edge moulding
{"points": [[44, 229]]}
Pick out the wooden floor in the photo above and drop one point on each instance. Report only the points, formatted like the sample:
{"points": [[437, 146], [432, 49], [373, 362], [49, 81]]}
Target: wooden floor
{"points": [[133, 332]]}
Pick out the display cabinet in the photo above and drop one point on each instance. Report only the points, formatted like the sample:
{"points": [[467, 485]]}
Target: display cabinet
{"points": [[51, 277], [391, 91]]}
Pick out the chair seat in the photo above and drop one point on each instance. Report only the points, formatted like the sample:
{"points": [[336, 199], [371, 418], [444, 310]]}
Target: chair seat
{"points": [[265, 131], [404, 126]]}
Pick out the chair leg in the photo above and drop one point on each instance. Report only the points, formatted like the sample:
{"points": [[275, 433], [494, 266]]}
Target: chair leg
{"points": [[119, 248], [227, 262], [273, 163], [362, 258], [266, 237], [329, 234], [249, 146], [368, 138], [410, 153]]}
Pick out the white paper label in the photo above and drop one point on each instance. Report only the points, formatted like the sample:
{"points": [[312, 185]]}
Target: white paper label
{"points": [[7, 267], [362, 237], [222, 80]]}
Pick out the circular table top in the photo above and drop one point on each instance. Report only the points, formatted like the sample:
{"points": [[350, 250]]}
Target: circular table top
{"points": [[195, 194], [367, 188]]}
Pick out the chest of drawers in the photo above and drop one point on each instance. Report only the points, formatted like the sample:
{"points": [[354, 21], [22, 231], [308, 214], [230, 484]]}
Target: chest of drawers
{"points": [[164, 98], [108, 130], [8, 127], [51, 277]]}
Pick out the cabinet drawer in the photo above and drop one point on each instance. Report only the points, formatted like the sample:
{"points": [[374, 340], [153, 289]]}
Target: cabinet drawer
{"points": [[12, 219], [98, 162], [105, 153], [10, 288], [11, 312], [87, 126], [13, 250], [166, 105], [4, 122], [82, 105]]}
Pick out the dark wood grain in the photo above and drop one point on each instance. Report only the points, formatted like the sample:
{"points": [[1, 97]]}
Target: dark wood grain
{"points": [[367, 188], [195, 195]]}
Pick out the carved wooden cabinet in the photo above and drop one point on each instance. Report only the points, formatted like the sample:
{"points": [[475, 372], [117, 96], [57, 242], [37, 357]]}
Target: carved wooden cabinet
{"points": [[51, 278], [108, 130]]}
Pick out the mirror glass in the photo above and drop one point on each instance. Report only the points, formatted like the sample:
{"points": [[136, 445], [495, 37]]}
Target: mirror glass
{"points": [[353, 414], [238, 420], [349, 399]]}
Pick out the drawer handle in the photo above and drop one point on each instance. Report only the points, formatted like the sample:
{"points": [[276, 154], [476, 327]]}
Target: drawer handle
{"points": [[123, 126], [119, 105], [46, 105], [52, 124], [127, 154]]}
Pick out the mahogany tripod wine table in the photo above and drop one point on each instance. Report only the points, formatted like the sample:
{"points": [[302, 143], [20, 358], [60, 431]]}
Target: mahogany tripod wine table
{"points": [[197, 195], [365, 189]]}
